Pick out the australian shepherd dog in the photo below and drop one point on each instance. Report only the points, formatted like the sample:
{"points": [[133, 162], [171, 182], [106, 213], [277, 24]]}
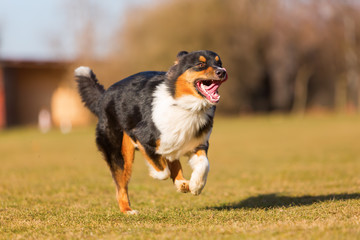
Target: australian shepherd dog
{"points": [[165, 115]]}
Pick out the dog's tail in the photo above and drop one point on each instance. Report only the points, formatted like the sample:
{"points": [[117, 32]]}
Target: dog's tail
{"points": [[89, 88]]}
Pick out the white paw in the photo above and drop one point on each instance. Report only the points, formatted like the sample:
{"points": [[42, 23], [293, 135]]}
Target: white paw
{"points": [[196, 185], [182, 185], [132, 212]]}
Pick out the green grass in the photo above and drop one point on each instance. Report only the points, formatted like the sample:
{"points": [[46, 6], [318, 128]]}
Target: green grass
{"points": [[270, 178]]}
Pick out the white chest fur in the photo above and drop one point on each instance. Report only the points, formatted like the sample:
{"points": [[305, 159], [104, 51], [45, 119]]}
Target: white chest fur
{"points": [[178, 121]]}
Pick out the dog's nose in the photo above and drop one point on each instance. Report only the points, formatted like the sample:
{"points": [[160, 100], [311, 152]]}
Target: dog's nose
{"points": [[220, 72]]}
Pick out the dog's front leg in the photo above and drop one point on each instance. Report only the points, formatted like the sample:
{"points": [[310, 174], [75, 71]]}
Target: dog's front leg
{"points": [[182, 185], [200, 165]]}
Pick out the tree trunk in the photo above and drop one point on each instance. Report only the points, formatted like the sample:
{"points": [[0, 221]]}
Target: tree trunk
{"points": [[301, 89]]}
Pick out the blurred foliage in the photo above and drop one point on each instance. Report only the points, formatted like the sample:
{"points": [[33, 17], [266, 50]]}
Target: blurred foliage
{"points": [[280, 55]]}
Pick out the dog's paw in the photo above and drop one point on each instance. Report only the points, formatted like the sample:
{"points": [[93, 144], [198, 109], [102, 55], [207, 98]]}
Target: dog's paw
{"points": [[132, 212], [196, 186], [182, 186]]}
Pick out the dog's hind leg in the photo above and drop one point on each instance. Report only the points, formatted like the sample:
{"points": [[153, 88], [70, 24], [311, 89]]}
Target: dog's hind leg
{"points": [[120, 159], [122, 180], [181, 184]]}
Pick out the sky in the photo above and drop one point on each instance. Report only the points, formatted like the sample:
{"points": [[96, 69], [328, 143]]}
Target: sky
{"points": [[45, 29]]}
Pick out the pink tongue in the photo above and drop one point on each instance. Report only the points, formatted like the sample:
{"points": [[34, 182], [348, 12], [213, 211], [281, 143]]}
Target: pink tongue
{"points": [[212, 88]]}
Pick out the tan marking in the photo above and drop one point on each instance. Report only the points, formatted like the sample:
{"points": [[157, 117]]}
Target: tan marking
{"points": [[185, 86], [127, 149], [162, 160], [122, 176], [175, 170], [202, 59], [123, 200], [217, 58], [177, 175], [157, 144], [201, 153], [185, 83]]}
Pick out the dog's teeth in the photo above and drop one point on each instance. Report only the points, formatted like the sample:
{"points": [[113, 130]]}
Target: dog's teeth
{"points": [[203, 87]]}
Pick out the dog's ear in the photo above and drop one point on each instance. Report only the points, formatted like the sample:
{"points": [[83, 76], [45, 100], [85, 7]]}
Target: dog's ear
{"points": [[171, 74], [179, 55], [174, 69]]}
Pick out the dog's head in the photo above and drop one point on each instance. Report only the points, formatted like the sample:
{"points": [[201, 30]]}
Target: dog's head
{"points": [[199, 74]]}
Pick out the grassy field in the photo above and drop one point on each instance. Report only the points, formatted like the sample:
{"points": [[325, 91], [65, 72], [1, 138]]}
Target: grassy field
{"points": [[270, 178]]}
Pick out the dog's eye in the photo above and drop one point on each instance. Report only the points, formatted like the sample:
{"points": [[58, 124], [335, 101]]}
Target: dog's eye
{"points": [[201, 65]]}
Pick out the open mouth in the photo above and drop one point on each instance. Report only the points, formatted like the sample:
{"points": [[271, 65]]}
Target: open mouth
{"points": [[209, 89]]}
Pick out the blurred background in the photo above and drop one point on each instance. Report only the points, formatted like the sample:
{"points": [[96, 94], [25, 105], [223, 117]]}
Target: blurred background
{"points": [[293, 57]]}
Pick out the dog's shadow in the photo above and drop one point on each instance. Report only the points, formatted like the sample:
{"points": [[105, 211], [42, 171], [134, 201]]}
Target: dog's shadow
{"points": [[274, 200]]}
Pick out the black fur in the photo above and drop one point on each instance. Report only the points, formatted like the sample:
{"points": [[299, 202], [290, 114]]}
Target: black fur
{"points": [[90, 91], [126, 106]]}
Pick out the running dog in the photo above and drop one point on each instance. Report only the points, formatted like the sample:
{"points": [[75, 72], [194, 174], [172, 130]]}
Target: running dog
{"points": [[165, 115]]}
